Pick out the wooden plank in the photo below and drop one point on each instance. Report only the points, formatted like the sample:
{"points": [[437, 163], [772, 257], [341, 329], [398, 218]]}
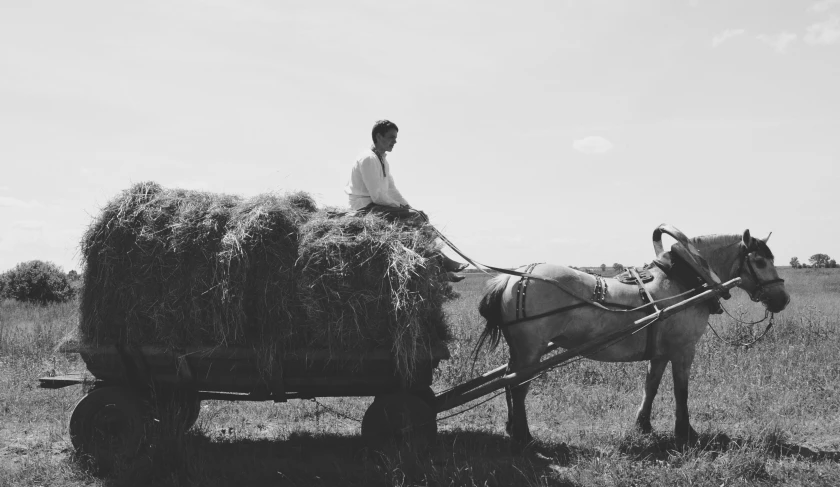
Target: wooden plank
{"points": [[59, 381], [439, 352]]}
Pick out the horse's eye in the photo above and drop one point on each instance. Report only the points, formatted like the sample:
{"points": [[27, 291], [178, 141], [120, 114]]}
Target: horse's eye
{"points": [[760, 262]]}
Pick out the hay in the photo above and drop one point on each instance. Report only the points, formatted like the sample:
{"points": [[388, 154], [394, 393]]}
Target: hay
{"points": [[183, 268], [151, 267], [177, 267], [258, 257], [368, 283]]}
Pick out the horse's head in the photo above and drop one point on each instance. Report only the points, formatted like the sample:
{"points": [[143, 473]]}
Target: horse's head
{"points": [[759, 277]]}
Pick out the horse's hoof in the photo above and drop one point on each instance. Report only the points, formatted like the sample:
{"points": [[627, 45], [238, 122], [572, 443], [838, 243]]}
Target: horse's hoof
{"points": [[522, 447], [644, 427], [691, 439]]}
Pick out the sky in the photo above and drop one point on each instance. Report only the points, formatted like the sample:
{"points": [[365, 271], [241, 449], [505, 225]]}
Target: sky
{"points": [[560, 132]]}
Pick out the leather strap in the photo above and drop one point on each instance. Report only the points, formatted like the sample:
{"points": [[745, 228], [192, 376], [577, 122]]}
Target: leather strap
{"points": [[650, 332]]}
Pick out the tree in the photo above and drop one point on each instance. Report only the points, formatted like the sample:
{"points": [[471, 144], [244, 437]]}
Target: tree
{"points": [[603, 267], [37, 282], [73, 275], [832, 263], [618, 267], [819, 260], [794, 262]]}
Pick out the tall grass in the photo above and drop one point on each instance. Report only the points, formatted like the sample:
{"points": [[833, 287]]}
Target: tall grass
{"points": [[768, 414]]}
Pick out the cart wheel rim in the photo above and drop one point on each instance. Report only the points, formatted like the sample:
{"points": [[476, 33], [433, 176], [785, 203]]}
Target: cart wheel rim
{"points": [[108, 427]]}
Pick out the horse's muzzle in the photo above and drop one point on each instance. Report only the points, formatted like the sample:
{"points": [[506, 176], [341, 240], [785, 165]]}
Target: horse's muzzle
{"points": [[776, 300]]}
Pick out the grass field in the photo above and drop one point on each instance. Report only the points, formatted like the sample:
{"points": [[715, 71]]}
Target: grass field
{"points": [[767, 415]]}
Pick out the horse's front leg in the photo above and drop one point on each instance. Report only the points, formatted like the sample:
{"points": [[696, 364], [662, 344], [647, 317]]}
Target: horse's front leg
{"points": [[681, 369], [656, 368]]}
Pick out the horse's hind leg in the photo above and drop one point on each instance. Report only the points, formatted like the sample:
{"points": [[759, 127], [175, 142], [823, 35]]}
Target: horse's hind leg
{"points": [[681, 369], [509, 400], [517, 426], [517, 415], [656, 368]]}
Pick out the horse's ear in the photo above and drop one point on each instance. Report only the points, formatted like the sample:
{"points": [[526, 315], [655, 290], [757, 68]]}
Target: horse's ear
{"points": [[747, 238], [765, 239]]}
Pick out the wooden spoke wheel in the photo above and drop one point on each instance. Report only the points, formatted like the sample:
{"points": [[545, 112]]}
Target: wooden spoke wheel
{"points": [[108, 426], [400, 419]]}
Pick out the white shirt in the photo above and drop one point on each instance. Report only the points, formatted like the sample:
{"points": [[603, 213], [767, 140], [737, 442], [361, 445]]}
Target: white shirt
{"points": [[371, 182]]}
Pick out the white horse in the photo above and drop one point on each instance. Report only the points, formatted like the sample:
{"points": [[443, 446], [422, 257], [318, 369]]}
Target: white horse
{"points": [[671, 340]]}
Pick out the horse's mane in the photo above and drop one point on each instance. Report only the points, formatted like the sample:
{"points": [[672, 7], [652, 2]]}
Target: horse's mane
{"points": [[719, 242], [715, 241]]}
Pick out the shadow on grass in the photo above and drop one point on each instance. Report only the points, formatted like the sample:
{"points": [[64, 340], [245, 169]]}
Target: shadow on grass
{"points": [[657, 446], [456, 458]]}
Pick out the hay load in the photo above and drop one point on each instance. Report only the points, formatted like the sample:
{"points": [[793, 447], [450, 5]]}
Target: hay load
{"points": [[367, 283], [182, 268]]}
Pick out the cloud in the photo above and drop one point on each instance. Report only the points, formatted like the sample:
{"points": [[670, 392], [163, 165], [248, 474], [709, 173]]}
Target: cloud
{"points": [[827, 32], [823, 5], [593, 145], [30, 225], [779, 42], [726, 35], [9, 202]]}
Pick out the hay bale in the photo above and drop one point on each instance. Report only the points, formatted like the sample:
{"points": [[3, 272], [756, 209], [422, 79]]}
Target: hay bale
{"points": [[367, 283], [174, 267], [258, 255]]}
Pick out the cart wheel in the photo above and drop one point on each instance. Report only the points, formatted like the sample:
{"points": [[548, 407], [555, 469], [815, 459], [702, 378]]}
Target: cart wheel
{"points": [[176, 409], [401, 418], [108, 426]]}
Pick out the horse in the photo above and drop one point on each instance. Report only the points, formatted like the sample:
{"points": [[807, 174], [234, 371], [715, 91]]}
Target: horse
{"points": [[672, 339]]}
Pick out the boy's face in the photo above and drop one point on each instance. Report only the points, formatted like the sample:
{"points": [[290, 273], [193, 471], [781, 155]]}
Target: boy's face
{"points": [[385, 143]]}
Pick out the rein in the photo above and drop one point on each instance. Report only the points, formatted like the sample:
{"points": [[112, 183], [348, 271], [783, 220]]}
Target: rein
{"points": [[482, 267], [736, 343]]}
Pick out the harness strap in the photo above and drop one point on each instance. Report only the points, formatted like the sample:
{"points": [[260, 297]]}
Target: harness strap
{"points": [[521, 291], [600, 293], [650, 333]]}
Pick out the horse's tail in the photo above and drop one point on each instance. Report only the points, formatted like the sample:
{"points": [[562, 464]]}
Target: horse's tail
{"points": [[491, 309]]}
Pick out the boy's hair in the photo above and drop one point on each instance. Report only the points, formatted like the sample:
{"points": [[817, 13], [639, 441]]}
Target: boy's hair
{"points": [[382, 127]]}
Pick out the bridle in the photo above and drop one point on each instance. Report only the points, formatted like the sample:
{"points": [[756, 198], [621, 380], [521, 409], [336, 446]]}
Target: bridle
{"points": [[758, 293]]}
